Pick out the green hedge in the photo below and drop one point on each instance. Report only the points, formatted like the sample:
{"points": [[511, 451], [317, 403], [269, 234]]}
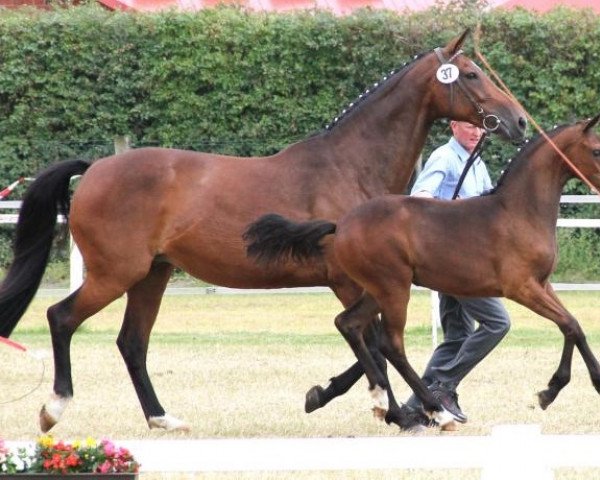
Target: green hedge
{"points": [[231, 81]]}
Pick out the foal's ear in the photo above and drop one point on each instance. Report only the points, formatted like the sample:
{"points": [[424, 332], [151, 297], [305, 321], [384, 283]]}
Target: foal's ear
{"points": [[591, 123], [455, 44]]}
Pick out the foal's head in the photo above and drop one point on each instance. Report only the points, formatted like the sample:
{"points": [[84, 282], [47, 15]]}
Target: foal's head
{"points": [[577, 142], [462, 91], [582, 147]]}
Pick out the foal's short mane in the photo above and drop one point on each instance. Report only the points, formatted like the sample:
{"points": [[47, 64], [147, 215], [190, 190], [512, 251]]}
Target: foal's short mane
{"points": [[352, 106], [525, 151]]}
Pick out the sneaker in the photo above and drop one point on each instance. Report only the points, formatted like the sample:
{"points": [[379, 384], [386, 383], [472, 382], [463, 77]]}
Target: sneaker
{"points": [[448, 399], [413, 420]]}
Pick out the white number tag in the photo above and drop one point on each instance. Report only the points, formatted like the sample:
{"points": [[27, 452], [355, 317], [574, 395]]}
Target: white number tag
{"points": [[447, 73]]}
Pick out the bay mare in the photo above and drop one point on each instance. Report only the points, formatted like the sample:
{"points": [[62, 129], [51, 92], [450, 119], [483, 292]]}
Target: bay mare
{"points": [[502, 244], [138, 215]]}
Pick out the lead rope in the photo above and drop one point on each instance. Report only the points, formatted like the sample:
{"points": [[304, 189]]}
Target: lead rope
{"points": [[510, 95], [35, 355], [470, 161]]}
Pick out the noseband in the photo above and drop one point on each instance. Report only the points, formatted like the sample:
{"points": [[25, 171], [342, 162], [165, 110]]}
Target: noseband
{"points": [[490, 121]]}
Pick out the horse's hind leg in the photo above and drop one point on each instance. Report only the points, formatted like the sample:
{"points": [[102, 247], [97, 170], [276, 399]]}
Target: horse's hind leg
{"points": [[143, 304], [64, 318], [352, 324]]}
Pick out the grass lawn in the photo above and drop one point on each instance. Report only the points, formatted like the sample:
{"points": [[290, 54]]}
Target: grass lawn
{"points": [[239, 366]]}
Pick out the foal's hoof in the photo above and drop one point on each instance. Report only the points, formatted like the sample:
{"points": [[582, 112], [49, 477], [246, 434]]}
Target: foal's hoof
{"points": [[410, 420], [313, 399], [47, 421], [544, 399], [169, 423]]}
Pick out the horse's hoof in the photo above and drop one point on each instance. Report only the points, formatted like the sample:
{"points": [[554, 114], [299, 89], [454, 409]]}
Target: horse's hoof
{"points": [[52, 411], [544, 399], [379, 413], [449, 427], [168, 423], [313, 399], [47, 421], [444, 419]]}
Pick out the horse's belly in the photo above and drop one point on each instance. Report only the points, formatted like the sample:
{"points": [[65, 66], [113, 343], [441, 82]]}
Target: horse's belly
{"points": [[230, 268]]}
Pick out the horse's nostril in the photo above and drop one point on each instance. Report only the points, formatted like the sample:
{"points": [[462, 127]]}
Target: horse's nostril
{"points": [[522, 123]]}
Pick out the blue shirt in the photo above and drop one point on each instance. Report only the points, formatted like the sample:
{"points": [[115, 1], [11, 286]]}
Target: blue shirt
{"points": [[443, 169]]}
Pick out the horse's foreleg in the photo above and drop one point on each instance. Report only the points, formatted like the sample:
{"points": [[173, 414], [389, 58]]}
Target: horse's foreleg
{"points": [[542, 300], [590, 362], [574, 335], [143, 304], [560, 378]]}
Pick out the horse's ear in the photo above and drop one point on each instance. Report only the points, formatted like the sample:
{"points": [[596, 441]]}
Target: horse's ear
{"points": [[591, 123], [455, 44]]}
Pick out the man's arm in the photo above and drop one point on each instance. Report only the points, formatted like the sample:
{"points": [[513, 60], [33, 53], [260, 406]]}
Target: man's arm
{"points": [[431, 177]]}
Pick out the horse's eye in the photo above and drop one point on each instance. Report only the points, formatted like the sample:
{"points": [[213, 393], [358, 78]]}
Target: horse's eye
{"points": [[471, 75], [596, 152]]}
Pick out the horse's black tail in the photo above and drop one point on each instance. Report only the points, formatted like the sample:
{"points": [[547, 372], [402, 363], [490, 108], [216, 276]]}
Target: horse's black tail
{"points": [[45, 198], [273, 238]]}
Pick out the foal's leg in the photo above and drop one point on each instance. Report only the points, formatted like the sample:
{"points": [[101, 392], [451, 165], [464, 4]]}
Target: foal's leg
{"points": [[542, 300], [143, 303], [394, 307], [352, 323], [64, 319], [318, 396]]}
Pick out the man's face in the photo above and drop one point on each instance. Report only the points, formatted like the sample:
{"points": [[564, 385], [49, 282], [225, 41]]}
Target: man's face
{"points": [[466, 134]]}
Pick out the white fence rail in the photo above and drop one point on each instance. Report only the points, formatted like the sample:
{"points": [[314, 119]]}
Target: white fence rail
{"points": [[77, 268], [514, 452]]}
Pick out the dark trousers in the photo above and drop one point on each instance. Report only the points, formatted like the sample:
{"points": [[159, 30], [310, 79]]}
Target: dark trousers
{"points": [[464, 346]]}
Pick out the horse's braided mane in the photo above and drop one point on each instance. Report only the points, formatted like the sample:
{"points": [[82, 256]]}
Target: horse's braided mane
{"points": [[530, 145], [352, 106]]}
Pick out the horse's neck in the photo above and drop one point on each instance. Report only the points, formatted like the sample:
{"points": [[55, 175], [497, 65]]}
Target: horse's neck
{"points": [[384, 138], [534, 186]]}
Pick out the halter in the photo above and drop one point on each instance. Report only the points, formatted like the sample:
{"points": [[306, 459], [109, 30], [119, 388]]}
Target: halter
{"points": [[490, 121]]}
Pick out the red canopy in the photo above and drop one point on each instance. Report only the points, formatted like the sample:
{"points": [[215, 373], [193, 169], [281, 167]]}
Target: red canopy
{"points": [[545, 5], [338, 6]]}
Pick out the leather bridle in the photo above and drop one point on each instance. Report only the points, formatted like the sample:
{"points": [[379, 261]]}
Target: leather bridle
{"points": [[490, 122]]}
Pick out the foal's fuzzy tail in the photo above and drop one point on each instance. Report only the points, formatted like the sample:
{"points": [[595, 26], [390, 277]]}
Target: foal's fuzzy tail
{"points": [[273, 238], [46, 197]]}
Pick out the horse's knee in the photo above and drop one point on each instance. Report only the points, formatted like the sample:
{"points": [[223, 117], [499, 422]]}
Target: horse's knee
{"points": [[572, 331]]}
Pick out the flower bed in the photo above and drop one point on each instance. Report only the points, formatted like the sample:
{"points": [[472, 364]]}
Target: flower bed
{"points": [[50, 457]]}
